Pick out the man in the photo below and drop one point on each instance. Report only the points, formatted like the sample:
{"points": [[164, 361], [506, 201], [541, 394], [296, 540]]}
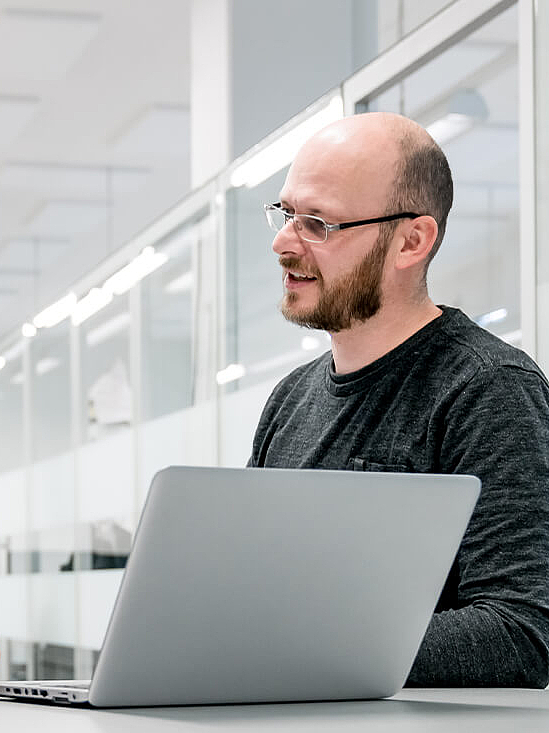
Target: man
{"points": [[410, 386]]}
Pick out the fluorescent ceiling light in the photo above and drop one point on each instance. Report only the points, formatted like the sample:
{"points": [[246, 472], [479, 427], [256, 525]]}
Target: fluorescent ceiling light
{"points": [[128, 276], [449, 126], [45, 365], [282, 151], [90, 304], [268, 365], [492, 317], [109, 328], [17, 378], [230, 373], [180, 284], [2, 362], [28, 330], [464, 109], [55, 313], [14, 351], [309, 343]]}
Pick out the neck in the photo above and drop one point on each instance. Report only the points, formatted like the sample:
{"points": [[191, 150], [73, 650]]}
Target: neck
{"points": [[365, 342]]}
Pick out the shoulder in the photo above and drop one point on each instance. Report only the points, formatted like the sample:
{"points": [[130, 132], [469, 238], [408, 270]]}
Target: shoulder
{"points": [[284, 399], [301, 379], [481, 378], [477, 353]]}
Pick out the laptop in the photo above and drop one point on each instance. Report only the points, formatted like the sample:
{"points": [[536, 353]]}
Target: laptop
{"points": [[270, 585]]}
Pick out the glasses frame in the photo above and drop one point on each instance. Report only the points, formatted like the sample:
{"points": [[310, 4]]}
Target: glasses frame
{"points": [[330, 227]]}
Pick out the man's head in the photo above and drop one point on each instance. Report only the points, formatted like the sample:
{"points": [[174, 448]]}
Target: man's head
{"points": [[362, 167]]}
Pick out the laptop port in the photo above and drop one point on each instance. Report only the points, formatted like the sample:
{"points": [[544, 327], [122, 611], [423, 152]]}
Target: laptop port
{"points": [[34, 692], [17, 690], [44, 693]]}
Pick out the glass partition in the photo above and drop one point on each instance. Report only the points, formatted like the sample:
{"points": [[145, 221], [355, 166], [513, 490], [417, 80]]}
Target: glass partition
{"points": [[167, 328], [541, 153], [257, 336], [105, 474], [26, 660], [50, 391], [12, 445], [105, 370], [468, 99], [396, 18]]}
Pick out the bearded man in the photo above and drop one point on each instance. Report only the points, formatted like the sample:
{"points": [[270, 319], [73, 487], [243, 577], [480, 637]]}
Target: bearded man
{"points": [[415, 387]]}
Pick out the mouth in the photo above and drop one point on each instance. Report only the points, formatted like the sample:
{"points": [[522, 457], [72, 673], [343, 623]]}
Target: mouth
{"points": [[295, 279]]}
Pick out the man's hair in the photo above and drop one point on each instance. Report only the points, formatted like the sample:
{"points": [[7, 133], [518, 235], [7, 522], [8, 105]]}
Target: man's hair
{"points": [[423, 184]]}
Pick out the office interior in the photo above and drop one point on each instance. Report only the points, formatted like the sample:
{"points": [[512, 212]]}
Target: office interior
{"points": [[138, 323]]}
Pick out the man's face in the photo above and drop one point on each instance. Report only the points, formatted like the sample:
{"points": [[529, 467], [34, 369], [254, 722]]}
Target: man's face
{"points": [[335, 284], [352, 297]]}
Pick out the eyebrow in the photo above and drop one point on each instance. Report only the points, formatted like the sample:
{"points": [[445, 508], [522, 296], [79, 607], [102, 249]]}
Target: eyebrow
{"points": [[313, 211]]}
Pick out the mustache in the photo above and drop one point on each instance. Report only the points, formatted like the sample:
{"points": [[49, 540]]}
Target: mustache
{"points": [[294, 263]]}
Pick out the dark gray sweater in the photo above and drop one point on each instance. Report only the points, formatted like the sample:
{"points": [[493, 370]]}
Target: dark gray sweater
{"points": [[452, 399]]}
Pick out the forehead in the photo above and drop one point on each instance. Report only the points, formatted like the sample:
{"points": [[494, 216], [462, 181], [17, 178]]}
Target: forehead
{"points": [[338, 178]]}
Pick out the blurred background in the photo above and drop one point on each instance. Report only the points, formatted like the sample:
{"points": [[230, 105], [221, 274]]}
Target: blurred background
{"points": [[138, 291]]}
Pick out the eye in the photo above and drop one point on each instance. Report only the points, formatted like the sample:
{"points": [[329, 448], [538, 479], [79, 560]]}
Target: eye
{"points": [[314, 225], [285, 208]]}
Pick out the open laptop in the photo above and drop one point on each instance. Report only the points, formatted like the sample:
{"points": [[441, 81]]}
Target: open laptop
{"points": [[267, 585]]}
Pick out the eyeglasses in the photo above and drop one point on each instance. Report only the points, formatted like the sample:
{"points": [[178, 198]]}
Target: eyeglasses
{"points": [[313, 228]]}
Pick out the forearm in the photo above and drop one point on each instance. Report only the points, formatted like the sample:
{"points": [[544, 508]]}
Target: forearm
{"points": [[476, 647]]}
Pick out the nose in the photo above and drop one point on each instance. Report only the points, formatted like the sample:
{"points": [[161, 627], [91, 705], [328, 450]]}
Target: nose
{"points": [[287, 241]]}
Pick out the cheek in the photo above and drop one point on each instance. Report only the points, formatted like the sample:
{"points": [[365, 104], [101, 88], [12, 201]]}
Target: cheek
{"points": [[337, 267]]}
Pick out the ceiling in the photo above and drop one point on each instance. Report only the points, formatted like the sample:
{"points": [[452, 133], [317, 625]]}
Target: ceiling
{"points": [[94, 136]]}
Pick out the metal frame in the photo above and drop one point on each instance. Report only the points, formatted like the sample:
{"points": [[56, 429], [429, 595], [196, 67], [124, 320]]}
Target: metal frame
{"points": [[436, 35]]}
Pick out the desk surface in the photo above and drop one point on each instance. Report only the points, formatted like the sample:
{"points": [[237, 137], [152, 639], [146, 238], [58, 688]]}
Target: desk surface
{"points": [[421, 711]]}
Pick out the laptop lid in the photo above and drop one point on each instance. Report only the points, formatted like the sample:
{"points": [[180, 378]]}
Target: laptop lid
{"points": [[258, 585]]}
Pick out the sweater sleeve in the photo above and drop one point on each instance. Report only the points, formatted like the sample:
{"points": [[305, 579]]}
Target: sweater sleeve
{"points": [[496, 633]]}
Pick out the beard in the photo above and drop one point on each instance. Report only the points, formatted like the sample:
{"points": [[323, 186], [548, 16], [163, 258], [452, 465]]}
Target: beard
{"points": [[353, 297]]}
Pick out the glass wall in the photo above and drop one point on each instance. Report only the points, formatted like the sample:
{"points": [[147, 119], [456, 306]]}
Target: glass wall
{"points": [[396, 18], [540, 20], [50, 391], [167, 329], [467, 98], [11, 413], [257, 336], [105, 371]]}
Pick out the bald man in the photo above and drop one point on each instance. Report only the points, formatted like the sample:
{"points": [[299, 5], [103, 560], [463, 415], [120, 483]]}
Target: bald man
{"points": [[412, 386]]}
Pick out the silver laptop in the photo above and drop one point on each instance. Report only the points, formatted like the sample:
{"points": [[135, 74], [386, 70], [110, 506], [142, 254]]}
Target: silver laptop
{"points": [[265, 585]]}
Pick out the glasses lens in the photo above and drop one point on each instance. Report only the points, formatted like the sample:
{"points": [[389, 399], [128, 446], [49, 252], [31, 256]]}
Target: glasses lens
{"points": [[311, 228], [275, 218]]}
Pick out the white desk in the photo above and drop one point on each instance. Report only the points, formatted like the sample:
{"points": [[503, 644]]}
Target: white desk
{"points": [[413, 711]]}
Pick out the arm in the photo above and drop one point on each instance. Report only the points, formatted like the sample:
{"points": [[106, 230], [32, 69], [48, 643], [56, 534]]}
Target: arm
{"points": [[497, 631]]}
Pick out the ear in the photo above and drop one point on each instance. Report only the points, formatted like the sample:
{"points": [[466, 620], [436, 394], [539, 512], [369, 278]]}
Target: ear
{"points": [[416, 242]]}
